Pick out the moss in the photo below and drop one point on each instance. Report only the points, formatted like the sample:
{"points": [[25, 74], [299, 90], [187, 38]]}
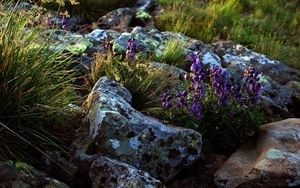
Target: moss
{"points": [[143, 15]]}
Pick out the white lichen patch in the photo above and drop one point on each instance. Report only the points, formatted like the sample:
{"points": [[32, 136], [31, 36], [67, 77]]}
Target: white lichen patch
{"points": [[262, 59], [115, 143], [278, 154], [134, 143], [98, 35], [211, 59], [236, 59]]}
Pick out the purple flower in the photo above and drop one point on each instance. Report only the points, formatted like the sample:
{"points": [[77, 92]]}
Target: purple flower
{"points": [[196, 110], [196, 66], [252, 85], [182, 99], [131, 48], [166, 101]]}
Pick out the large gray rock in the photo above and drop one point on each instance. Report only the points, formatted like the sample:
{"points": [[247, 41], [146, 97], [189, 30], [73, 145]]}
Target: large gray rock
{"points": [[121, 132], [272, 160], [119, 19], [21, 175], [108, 173], [69, 42]]}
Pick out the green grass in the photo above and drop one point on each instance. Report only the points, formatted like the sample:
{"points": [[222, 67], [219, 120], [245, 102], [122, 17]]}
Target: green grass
{"points": [[270, 26], [35, 86], [173, 54], [145, 85]]}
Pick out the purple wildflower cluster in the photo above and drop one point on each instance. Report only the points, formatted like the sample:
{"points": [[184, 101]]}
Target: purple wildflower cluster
{"points": [[219, 85], [213, 85], [131, 48], [166, 101], [253, 85]]}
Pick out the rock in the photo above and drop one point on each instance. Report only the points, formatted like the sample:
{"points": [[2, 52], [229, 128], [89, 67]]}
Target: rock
{"points": [[106, 172], [99, 35], [238, 55], [56, 165], [173, 71], [85, 64], [272, 160], [119, 19], [172, 76], [144, 5], [23, 175], [121, 132], [145, 43], [70, 42]]}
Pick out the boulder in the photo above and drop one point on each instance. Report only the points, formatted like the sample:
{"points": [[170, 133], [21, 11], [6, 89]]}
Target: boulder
{"points": [[271, 160], [23, 175], [106, 173], [119, 19], [66, 41], [145, 43], [99, 35], [121, 132]]}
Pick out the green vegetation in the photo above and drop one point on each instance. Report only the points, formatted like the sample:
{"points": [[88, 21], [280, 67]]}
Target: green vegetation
{"points": [[269, 26], [145, 85], [173, 54], [226, 114], [35, 86]]}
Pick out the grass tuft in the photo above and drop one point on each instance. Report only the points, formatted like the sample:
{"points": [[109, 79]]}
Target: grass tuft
{"points": [[35, 86], [145, 85]]}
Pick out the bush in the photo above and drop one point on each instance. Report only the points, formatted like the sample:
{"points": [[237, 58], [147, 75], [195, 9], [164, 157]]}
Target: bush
{"points": [[35, 86], [226, 113]]}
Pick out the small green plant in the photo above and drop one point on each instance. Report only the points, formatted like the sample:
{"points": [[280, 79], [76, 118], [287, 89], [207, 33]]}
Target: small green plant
{"points": [[35, 86], [225, 113], [173, 54]]}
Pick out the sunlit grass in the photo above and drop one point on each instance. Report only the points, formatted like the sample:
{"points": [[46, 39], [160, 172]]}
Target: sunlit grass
{"points": [[145, 85], [35, 86], [270, 27]]}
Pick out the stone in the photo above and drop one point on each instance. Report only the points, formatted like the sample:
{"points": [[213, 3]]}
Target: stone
{"points": [[70, 42], [145, 43], [106, 172], [23, 175], [56, 165], [99, 35], [118, 20], [271, 160], [144, 5], [119, 131]]}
